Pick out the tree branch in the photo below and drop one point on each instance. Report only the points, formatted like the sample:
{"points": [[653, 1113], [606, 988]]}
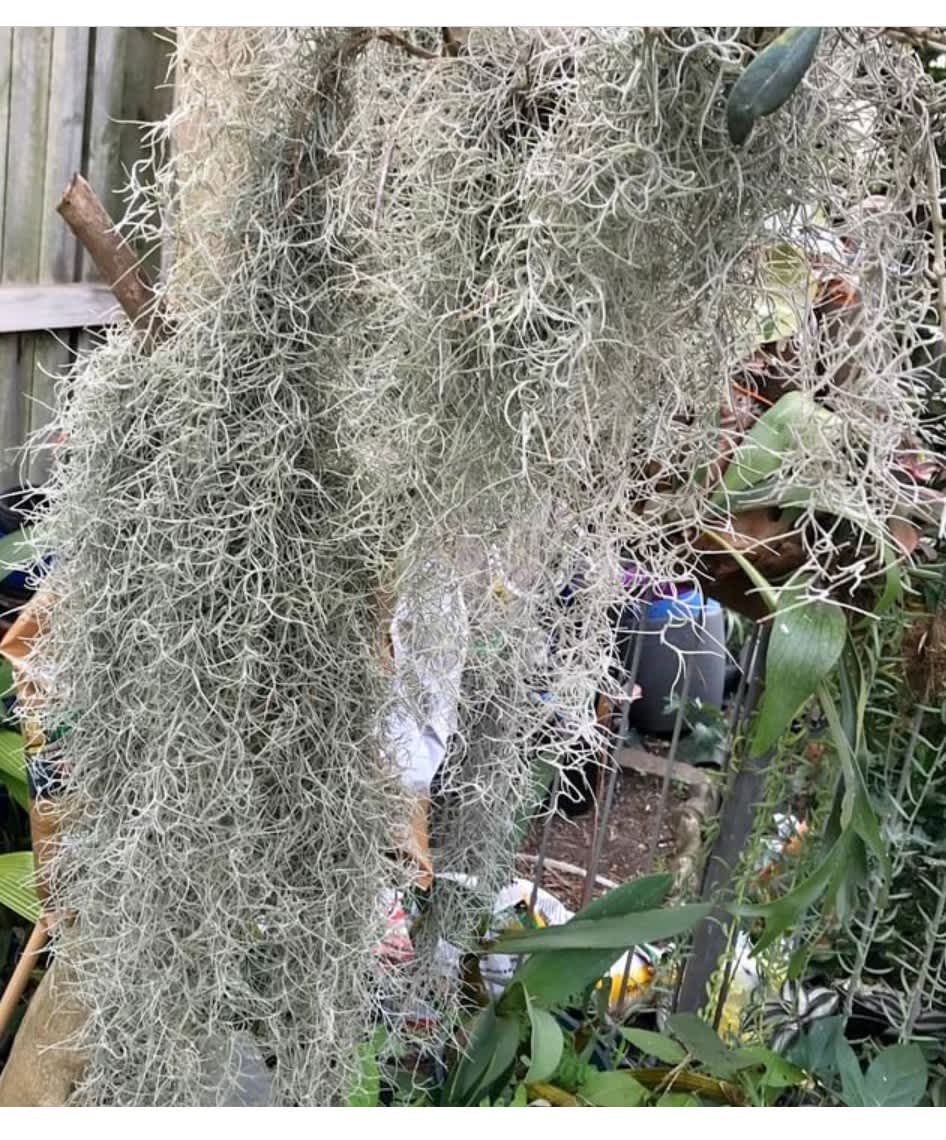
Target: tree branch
{"points": [[84, 214]]}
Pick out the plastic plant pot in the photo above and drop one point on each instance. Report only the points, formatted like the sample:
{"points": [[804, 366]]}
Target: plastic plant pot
{"points": [[683, 652]]}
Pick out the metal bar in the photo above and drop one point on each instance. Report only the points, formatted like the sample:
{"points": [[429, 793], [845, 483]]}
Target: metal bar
{"points": [[601, 823], [735, 826], [544, 841], [668, 772]]}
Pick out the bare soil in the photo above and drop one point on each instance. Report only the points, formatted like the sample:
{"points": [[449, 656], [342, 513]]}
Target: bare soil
{"points": [[630, 829]]}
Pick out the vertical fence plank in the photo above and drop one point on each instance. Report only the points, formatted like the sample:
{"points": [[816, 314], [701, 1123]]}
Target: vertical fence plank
{"points": [[103, 165], [58, 251], [67, 100], [23, 209], [6, 84], [103, 138], [9, 402]]}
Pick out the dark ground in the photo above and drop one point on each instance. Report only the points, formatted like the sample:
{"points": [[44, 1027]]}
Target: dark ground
{"points": [[629, 832]]}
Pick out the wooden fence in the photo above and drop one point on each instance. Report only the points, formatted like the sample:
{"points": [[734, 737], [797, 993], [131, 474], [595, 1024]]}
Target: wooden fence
{"points": [[70, 99]]}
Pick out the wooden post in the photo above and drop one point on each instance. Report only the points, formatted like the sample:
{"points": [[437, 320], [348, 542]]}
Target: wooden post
{"points": [[88, 219]]}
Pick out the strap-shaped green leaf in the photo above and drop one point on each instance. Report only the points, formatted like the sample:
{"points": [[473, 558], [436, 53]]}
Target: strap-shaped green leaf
{"points": [[655, 1045], [551, 979], [16, 885], [786, 912], [12, 758], [548, 1041], [805, 644], [607, 933]]}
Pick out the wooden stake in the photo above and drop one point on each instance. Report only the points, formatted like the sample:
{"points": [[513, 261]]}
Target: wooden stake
{"points": [[21, 975], [84, 214]]}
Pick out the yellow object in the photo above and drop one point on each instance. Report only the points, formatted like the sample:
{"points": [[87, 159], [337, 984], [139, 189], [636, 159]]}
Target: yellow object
{"points": [[639, 978]]}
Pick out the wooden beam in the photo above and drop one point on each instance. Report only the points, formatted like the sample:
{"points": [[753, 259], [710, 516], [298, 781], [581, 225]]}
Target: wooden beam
{"points": [[31, 308]]}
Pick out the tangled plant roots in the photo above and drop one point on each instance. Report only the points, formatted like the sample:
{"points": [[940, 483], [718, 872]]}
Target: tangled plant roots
{"points": [[477, 313]]}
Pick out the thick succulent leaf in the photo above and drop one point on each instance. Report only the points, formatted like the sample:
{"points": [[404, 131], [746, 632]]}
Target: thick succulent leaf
{"points": [[366, 1088], [492, 1049], [770, 80]]}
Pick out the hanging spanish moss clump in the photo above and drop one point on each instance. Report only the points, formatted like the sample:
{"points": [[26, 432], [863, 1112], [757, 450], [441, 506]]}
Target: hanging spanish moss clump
{"points": [[457, 327]]}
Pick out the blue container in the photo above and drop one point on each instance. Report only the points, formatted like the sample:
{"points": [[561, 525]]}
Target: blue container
{"points": [[683, 650]]}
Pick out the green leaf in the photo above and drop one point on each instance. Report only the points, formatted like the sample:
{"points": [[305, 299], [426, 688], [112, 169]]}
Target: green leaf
{"points": [[548, 1041], [13, 767], [18, 789], [852, 1079], [702, 1042], [678, 1100], [760, 452], [806, 641], [612, 1090], [606, 933], [893, 581], [12, 757], [17, 552], [770, 80], [766, 592], [16, 885], [787, 911], [777, 1072], [896, 1078], [551, 979], [492, 1049], [857, 813], [366, 1092], [655, 1045], [520, 1098], [816, 1050], [6, 676]]}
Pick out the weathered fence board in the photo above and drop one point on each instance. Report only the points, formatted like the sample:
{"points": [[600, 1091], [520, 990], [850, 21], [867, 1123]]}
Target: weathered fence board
{"points": [[70, 99], [23, 216]]}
